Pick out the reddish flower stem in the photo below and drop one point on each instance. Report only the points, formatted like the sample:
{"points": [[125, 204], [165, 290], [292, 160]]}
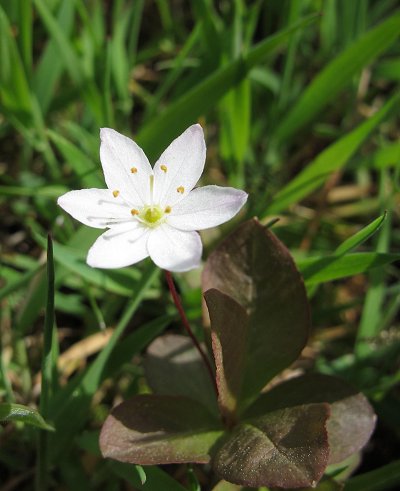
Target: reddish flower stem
{"points": [[185, 322]]}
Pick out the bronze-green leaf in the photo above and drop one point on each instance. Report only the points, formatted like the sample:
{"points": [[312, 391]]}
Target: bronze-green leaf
{"points": [[173, 366], [256, 270], [229, 332], [352, 418], [284, 448], [155, 429]]}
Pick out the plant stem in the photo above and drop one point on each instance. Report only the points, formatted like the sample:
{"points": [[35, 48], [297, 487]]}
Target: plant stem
{"points": [[42, 464], [185, 322]]}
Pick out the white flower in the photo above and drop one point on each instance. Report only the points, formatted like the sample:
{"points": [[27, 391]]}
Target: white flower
{"points": [[151, 212]]}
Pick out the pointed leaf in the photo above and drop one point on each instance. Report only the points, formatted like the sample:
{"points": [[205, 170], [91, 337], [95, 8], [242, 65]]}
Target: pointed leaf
{"points": [[352, 418], [361, 236], [174, 366], [285, 448], [153, 429], [28, 415], [254, 268], [327, 268]]}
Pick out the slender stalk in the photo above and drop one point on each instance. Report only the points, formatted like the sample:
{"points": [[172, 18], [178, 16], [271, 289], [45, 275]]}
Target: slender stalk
{"points": [[42, 464], [186, 325]]}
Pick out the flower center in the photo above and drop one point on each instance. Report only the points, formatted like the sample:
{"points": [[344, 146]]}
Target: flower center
{"points": [[151, 214]]}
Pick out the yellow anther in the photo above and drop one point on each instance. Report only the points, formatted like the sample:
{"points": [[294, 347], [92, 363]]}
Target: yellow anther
{"points": [[133, 170], [167, 209], [134, 212], [116, 193], [181, 189], [164, 168]]}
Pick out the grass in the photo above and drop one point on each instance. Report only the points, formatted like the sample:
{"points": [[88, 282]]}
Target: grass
{"points": [[299, 109]]}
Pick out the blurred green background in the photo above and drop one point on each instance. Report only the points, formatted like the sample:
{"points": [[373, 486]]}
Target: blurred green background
{"points": [[299, 100]]}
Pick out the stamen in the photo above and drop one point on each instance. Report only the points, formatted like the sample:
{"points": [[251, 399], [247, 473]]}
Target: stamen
{"points": [[134, 212], [168, 209], [164, 168], [133, 170], [180, 190], [116, 193]]}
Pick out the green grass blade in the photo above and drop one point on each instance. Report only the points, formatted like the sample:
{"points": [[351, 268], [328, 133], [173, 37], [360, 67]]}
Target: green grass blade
{"points": [[361, 236], [174, 74], [211, 27], [352, 16], [235, 131], [111, 281], [72, 62], [295, 8], [389, 69], [52, 191], [328, 268], [14, 87], [106, 87], [334, 77], [25, 34], [371, 318], [382, 479], [328, 27], [22, 281], [78, 402], [51, 65], [81, 164], [329, 160], [72, 258], [158, 134], [65, 50], [387, 156], [235, 108], [5, 383], [133, 34], [34, 301], [47, 373], [118, 56], [135, 342]]}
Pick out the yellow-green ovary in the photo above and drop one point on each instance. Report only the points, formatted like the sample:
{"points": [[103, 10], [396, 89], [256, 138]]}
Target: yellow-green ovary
{"points": [[151, 214]]}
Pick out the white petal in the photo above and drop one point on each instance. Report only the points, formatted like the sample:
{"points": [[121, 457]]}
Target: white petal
{"points": [[119, 247], [180, 166], [174, 250], [95, 207], [207, 207], [126, 168]]}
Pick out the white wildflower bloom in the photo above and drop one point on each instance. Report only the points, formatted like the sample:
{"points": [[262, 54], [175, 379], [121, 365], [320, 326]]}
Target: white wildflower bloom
{"points": [[152, 211]]}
